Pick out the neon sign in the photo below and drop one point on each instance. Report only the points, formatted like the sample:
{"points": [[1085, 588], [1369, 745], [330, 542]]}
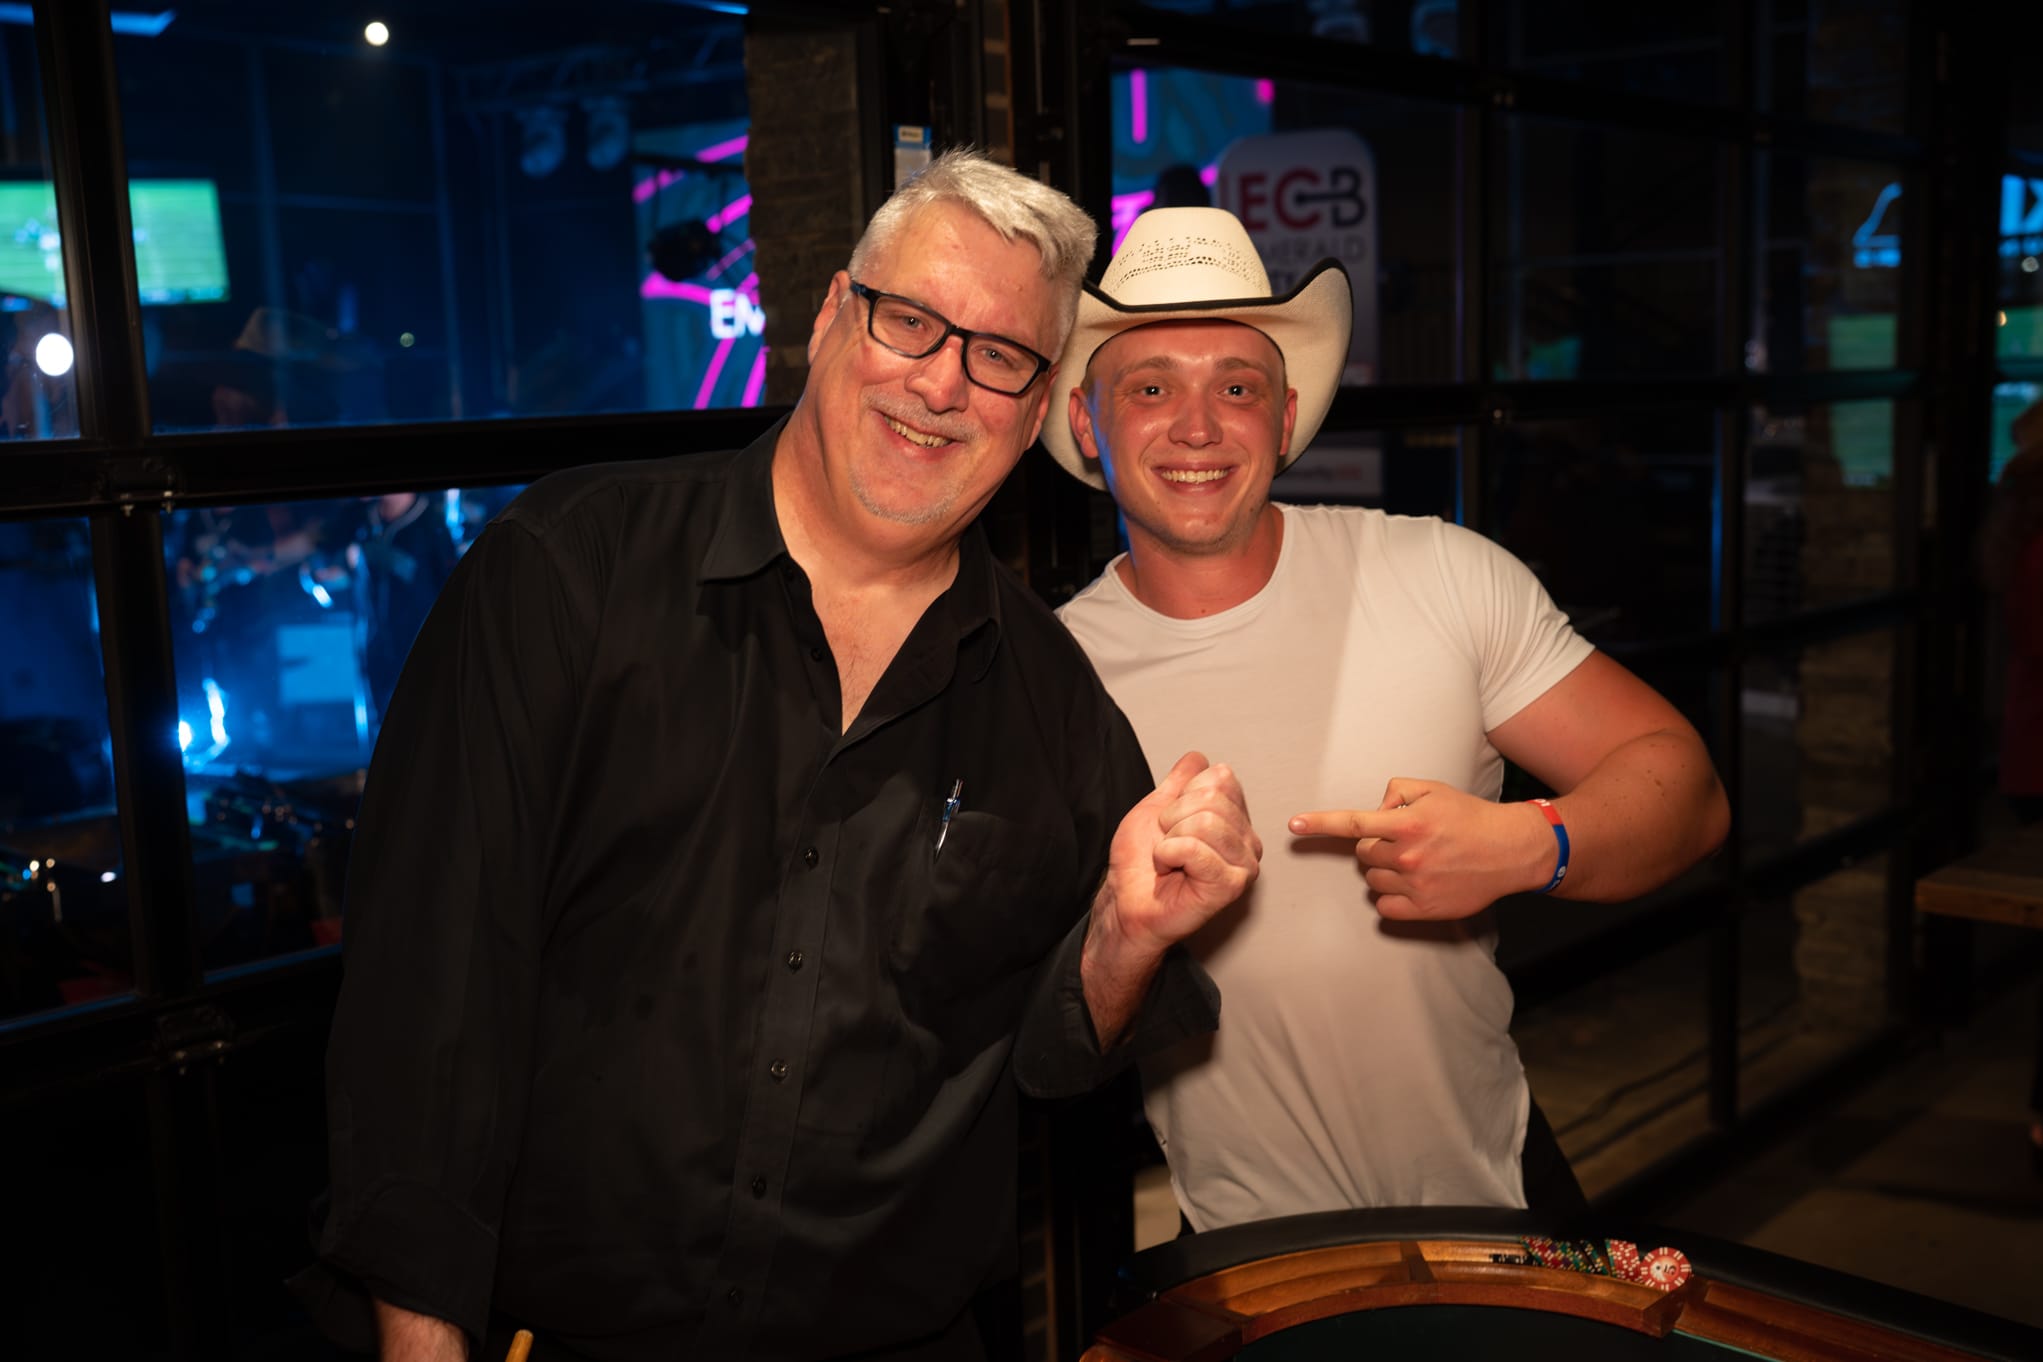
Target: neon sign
{"points": [[732, 314], [1875, 246]]}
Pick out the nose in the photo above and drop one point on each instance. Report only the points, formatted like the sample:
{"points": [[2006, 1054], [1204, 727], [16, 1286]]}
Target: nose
{"points": [[1195, 423], [939, 378]]}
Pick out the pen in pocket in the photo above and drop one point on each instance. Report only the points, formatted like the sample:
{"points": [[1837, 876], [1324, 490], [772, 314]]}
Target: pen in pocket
{"points": [[950, 806]]}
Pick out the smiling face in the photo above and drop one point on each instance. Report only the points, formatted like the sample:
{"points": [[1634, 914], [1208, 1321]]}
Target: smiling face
{"points": [[1187, 420], [907, 451]]}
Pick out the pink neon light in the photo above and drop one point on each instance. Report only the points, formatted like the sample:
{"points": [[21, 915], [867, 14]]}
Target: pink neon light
{"points": [[646, 188], [730, 212], [658, 285], [1126, 208], [750, 285], [737, 252], [756, 384], [1266, 91], [723, 149], [716, 368], [1138, 99], [1210, 174]]}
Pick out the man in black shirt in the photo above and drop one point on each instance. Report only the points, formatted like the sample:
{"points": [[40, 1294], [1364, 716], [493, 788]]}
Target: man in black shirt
{"points": [[726, 861]]}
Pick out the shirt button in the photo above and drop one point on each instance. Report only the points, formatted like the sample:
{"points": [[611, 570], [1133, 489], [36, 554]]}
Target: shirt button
{"points": [[794, 960], [736, 1295], [815, 654], [809, 858], [778, 1068], [758, 1187]]}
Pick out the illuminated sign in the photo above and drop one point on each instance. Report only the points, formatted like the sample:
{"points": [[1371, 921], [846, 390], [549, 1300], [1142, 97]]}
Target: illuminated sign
{"points": [[732, 314], [1876, 245], [1304, 196], [2021, 216]]}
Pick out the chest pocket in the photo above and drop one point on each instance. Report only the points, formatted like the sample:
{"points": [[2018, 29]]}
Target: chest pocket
{"points": [[994, 902]]}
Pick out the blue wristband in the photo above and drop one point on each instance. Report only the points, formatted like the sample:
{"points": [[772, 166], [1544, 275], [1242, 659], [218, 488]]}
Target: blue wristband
{"points": [[1553, 816]]}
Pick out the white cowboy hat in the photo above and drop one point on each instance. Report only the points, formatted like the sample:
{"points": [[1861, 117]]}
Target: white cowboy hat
{"points": [[1198, 264]]}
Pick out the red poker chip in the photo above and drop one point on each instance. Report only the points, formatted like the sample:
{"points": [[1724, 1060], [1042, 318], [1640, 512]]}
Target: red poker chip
{"points": [[1665, 1268], [1624, 1259]]}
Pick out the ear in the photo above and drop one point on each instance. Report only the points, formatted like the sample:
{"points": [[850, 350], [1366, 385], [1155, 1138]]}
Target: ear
{"points": [[1042, 403], [833, 303], [1079, 413], [1290, 420]]}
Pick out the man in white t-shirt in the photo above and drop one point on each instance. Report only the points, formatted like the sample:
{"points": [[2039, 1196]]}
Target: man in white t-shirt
{"points": [[1367, 676]]}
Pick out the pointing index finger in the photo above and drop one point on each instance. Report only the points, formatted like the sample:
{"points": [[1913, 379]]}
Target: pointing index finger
{"points": [[1354, 824]]}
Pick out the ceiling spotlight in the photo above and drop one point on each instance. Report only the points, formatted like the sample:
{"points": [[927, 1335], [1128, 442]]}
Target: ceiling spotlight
{"points": [[377, 33], [53, 355], [542, 140], [609, 131]]}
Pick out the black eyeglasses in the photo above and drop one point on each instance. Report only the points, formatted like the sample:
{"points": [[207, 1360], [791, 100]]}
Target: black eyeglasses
{"points": [[910, 329]]}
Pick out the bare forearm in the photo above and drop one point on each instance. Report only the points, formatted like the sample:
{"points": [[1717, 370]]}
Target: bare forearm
{"points": [[1645, 813], [1115, 975], [405, 1336]]}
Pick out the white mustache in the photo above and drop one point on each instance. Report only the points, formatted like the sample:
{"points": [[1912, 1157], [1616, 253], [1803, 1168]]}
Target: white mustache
{"points": [[921, 418]]}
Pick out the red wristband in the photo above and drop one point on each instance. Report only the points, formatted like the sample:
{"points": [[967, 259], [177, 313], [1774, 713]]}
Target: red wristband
{"points": [[1553, 816]]}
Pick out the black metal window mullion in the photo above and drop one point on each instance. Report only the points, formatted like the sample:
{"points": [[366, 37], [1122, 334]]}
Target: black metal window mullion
{"points": [[1739, 234], [81, 95], [1479, 140]]}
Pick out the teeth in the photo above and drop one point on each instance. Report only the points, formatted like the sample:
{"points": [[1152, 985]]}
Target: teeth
{"points": [[1194, 475], [915, 436]]}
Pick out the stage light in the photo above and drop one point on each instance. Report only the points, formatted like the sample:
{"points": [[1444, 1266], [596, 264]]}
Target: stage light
{"points": [[377, 33], [608, 132], [53, 355], [542, 141]]}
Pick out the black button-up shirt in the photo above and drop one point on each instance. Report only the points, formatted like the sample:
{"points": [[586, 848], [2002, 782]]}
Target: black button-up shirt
{"points": [[666, 1028]]}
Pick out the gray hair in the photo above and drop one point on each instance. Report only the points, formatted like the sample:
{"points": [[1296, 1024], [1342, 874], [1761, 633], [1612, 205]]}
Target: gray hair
{"points": [[1011, 204]]}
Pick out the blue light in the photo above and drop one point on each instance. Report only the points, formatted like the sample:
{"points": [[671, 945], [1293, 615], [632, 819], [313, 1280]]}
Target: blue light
{"points": [[123, 21], [216, 710], [216, 705]]}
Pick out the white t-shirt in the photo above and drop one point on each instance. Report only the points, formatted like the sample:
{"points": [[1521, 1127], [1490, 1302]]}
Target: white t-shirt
{"points": [[1358, 1062]]}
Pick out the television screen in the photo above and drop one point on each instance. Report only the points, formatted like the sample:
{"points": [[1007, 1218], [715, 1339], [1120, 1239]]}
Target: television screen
{"points": [[179, 254]]}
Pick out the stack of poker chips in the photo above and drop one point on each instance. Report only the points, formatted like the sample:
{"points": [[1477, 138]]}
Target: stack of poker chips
{"points": [[1660, 1268]]}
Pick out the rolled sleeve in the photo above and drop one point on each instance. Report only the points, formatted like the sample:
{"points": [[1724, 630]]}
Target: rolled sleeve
{"points": [[1057, 1053]]}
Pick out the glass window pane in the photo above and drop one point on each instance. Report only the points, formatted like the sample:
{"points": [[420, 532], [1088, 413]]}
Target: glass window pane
{"points": [[290, 624], [39, 397], [2019, 334], [545, 213], [1406, 470], [1430, 28], [1672, 51], [1818, 740], [1604, 259], [1616, 515], [1838, 63], [1819, 506], [85, 1194], [1618, 1102], [1312, 172], [1831, 285], [1812, 978], [63, 909]]}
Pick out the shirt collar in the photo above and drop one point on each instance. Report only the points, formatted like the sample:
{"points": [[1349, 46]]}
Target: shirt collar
{"points": [[747, 534], [747, 540]]}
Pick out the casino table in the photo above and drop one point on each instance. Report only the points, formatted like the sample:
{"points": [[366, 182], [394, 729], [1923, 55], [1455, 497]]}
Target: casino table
{"points": [[1446, 1282]]}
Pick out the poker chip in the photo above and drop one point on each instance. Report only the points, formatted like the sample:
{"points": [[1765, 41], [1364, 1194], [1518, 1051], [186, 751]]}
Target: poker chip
{"points": [[1665, 1268], [1624, 1258]]}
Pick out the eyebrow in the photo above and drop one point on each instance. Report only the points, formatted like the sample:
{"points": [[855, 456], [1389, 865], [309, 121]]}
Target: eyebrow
{"points": [[1228, 364]]}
